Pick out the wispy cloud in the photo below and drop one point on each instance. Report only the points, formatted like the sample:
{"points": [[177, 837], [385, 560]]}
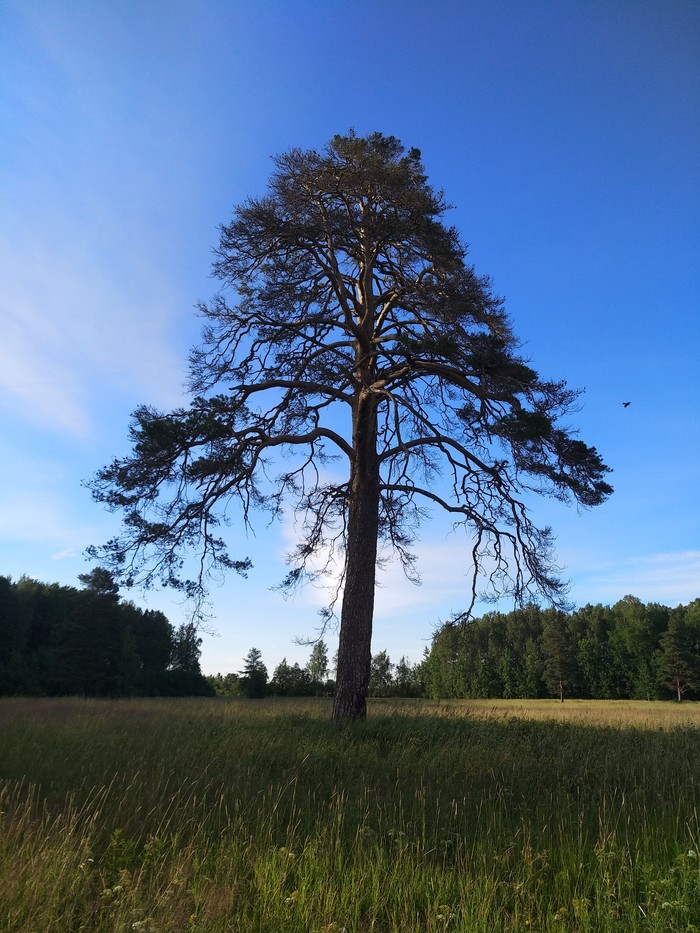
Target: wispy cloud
{"points": [[62, 555], [93, 304], [443, 562], [668, 578], [73, 335]]}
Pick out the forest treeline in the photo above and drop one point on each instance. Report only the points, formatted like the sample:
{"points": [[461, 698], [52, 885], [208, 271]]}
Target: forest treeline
{"points": [[316, 677], [59, 640], [626, 651]]}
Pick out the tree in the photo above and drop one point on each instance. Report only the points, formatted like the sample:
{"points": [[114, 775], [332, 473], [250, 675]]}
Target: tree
{"points": [[101, 582], [558, 650], [592, 625], [381, 675], [407, 679], [633, 639], [531, 678], [679, 662], [85, 644], [225, 685], [60, 640], [293, 681], [351, 327], [128, 680], [253, 677], [317, 666], [13, 636], [184, 675], [441, 660], [155, 637], [281, 683], [186, 649]]}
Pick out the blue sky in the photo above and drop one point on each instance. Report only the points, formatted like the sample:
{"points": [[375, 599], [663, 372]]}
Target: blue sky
{"points": [[565, 132]]}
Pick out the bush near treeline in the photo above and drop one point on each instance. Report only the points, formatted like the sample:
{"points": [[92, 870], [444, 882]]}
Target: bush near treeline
{"points": [[59, 640]]}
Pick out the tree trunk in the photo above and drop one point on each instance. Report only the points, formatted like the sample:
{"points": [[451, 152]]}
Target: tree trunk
{"points": [[355, 648]]}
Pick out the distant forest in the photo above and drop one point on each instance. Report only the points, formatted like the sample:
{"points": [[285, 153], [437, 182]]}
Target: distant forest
{"points": [[60, 640], [629, 651]]}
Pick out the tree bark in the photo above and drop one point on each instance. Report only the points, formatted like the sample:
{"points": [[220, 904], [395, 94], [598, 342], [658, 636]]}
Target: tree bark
{"points": [[355, 648]]}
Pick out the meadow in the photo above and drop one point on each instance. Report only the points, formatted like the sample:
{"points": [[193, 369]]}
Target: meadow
{"points": [[179, 816]]}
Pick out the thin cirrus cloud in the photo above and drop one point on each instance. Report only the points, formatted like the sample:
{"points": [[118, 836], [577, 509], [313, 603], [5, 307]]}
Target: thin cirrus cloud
{"points": [[72, 334], [671, 578], [37, 387], [68, 553]]}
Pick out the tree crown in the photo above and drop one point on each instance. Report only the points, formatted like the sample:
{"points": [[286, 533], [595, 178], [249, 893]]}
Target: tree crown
{"points": [[350, 321]]}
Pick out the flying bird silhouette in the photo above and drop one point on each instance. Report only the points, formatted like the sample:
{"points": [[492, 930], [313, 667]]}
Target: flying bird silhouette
{"points": [[626, 404]]}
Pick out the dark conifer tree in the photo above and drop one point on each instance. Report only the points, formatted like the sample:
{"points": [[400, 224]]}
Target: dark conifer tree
{"points": [[559, 668], [351, 327], [254, 675], [678, 662]]}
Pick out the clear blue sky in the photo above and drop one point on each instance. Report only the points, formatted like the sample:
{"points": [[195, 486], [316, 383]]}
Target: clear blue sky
{"points": [[565, 132]]}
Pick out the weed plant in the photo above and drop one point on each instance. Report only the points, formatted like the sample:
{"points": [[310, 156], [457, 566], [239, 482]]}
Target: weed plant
{"points": [[185, 816]]}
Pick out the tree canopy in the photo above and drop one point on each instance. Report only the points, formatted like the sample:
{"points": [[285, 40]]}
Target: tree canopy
{"points": [[356, 370]]}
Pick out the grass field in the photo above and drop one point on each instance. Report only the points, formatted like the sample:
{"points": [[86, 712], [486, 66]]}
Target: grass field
{"points": [[227, 815]]}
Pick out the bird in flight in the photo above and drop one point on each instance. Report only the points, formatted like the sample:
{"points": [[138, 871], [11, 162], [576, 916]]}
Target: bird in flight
{"points": [[626, 404]]}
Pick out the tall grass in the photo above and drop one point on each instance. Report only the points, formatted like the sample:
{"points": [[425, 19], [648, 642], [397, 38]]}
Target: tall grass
{"points": [[214, 815]]}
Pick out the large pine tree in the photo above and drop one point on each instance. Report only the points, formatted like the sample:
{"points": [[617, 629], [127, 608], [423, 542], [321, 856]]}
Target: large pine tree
{"points": [[350, 325]]}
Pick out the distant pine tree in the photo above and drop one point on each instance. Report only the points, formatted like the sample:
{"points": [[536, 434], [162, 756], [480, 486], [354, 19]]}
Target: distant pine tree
{"points": [[254, 675]]}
